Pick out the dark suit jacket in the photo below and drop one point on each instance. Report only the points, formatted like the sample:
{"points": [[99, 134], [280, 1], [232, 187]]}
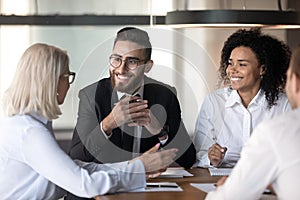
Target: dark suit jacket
{"points": [[96, 102]]}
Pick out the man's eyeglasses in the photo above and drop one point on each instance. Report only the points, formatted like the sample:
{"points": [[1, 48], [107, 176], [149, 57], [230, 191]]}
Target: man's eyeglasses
{"points": [[130, 63], [70, 76]]}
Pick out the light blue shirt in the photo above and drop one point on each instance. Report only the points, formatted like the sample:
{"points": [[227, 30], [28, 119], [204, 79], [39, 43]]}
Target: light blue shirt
{"points": [[33, 166]]}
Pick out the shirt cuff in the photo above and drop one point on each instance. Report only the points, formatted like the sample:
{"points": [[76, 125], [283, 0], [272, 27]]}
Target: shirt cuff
{"points": [[163, 142], [203, 160], [101, 128], [133, 176]]}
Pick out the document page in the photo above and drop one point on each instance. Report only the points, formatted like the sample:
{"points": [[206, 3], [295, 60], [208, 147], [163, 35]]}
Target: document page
{"points": [[175, 172], [205, 187]]}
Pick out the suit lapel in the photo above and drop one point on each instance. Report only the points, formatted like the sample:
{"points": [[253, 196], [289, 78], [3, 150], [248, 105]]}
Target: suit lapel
{"points": [[105, 98], [148, 139]]}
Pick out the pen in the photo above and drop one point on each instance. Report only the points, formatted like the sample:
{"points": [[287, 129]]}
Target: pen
{"points": [[214, 136], [267, 191], [215, 139], [163, 186]]}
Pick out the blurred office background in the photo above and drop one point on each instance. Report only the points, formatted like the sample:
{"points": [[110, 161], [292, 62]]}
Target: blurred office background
{"points": [[186, 58]]}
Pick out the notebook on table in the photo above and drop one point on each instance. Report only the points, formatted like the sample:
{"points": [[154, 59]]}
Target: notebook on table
{"points": [[219, 171]]}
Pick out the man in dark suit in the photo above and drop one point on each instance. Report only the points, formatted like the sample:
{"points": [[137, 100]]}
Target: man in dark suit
{"points": [[128, 113]]}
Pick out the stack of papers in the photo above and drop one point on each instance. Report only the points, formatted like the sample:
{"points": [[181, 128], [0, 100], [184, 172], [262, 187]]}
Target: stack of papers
{"points": [[219, 171], [175, 172]]}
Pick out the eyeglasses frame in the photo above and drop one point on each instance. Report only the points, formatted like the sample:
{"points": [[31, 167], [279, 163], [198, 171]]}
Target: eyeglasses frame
{"points": [[70, 74], [126, 60]]}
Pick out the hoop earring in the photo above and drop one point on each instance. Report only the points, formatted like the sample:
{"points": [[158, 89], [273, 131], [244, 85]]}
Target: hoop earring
{"points": [[261, 77]]}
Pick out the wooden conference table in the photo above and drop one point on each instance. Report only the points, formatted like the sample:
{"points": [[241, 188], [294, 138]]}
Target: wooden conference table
{"points": [[189, 192]]}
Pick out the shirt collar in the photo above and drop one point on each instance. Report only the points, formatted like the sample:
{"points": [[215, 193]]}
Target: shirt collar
{"points": [[140, 91], [39, 117], [259, 98], [234, 98]]}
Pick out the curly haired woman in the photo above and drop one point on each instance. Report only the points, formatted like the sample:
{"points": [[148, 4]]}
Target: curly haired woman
{"points": [[253, 74]]}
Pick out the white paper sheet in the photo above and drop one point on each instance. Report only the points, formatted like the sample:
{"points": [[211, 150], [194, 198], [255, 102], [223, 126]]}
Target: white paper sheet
{"points": [[205, 187], [175, 172]]}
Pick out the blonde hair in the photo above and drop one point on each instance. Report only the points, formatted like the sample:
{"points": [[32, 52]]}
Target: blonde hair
{"points": [[34, 86]]}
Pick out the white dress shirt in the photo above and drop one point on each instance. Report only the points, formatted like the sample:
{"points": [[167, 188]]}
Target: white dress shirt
{"points": [[223, 119], [33, 166], [271, 156]]}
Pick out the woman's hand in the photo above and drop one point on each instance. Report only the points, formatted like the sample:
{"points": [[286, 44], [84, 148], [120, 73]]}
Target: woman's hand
{"points": [[216, 154], [156, 162]]}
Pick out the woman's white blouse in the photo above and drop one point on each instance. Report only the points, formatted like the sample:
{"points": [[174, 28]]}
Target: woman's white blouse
{"points": [[33, 166], [223, 119]]}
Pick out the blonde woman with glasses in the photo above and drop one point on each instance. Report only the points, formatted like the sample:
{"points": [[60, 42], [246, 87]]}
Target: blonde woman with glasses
{"points": [[32, 165]]}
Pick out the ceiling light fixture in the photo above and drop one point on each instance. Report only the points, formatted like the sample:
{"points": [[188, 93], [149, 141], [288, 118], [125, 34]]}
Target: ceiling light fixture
{"points": [[234, 18]]}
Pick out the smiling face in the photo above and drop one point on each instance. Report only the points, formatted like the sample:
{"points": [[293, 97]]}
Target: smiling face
{"points": [[122, 78], [244, 70]]}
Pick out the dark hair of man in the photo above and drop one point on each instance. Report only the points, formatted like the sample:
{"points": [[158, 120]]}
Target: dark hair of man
{"points": [[137, 36], [270, 52]]}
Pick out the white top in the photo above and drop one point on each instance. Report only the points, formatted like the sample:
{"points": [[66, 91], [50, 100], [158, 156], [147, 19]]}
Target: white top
{"points": [[270, 157], [33, 166], [225, 120]]}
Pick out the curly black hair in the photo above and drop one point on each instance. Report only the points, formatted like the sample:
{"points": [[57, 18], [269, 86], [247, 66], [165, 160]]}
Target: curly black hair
{"points": [[270, 52]]}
